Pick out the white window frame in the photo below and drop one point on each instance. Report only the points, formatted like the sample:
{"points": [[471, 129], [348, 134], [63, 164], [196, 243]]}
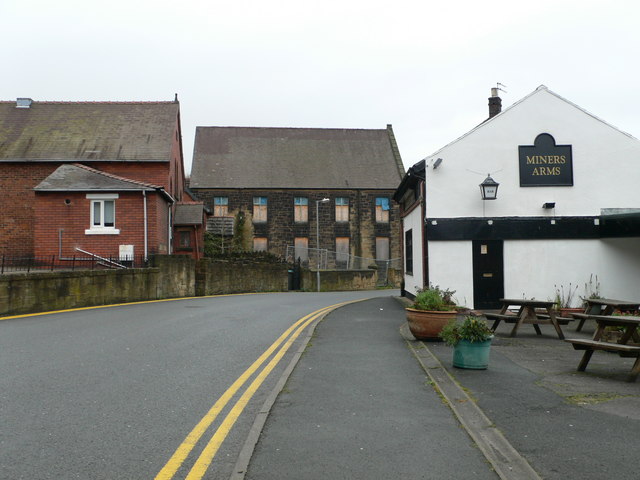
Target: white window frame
{"points": [[100, 198]]}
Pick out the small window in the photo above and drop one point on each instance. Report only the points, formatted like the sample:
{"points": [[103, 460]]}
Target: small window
{"points": [[220, 206], [408, 251], [301, 245], [184, 239], [102, 214], [342, 209], [382, 210], [259, 209], [260, 244], [301, 209]]}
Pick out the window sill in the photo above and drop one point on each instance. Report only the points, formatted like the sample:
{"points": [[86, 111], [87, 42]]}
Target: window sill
{"points": [[102, 231]]}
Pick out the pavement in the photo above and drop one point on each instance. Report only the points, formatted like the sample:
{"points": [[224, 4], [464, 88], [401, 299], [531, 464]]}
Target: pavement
{"points": [[365, 400]]}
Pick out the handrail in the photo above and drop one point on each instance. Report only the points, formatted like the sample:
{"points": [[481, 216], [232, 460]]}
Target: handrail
{"points": [[119, 265]]}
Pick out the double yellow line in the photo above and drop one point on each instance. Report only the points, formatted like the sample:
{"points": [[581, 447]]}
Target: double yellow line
{"points": [[206, 457]]}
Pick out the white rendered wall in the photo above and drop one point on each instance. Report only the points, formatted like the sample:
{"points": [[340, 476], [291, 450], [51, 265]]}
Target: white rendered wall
{"points": [[451, 267], [533, 268], [413, 221], [606, 171]]}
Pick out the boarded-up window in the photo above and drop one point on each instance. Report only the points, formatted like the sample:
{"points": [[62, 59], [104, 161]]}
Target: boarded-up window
{"points": [[220, 206], [260, 244], [342, 250], [259, 209], [301, 245], [342, 209], [382, 248], [301, 209], [382, 210]]}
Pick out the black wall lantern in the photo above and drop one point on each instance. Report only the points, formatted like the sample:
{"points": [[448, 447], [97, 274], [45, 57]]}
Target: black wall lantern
{"points": [[489, 188]]}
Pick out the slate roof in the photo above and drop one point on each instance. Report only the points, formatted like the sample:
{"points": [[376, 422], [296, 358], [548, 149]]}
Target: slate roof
{"points": [[76, 177], [188, 214], [72, 131], [250, 157]]}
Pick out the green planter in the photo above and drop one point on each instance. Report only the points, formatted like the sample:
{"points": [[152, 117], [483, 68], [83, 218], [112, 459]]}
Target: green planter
{"points": [[473, 355]]}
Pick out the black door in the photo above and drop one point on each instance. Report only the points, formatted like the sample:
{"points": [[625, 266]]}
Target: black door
{"points": [[488, 274]]}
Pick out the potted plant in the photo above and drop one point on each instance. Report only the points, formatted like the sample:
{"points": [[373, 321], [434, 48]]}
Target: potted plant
{"points": [[471, 342], [431, 310], [565, 299]]}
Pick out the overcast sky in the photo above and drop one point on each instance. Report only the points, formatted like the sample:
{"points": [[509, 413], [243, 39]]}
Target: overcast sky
{"points": [[425, 67]]}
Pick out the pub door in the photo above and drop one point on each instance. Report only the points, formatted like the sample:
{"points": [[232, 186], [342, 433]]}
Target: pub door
{"points": [[488, 274]]}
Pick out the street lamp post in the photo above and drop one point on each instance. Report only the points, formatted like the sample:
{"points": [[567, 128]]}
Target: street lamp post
{"points": [[318, 202]]}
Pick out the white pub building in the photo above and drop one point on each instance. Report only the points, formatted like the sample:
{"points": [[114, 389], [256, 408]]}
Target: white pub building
{"points": [[558, 205]]}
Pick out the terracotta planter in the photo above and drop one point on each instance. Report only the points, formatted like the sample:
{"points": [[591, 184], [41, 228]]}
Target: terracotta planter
{"points": [[566, 312], [427, 324]]}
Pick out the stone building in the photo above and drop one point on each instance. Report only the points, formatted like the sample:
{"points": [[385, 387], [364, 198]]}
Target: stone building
{"points": [[279, 177]]}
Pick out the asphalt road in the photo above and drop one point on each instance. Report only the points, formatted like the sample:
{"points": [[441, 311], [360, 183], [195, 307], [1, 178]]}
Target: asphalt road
{"points": [[111, 393]]}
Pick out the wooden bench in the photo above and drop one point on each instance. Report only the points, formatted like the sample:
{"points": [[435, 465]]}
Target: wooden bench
{"points": [[590, 346], [561, 320]]}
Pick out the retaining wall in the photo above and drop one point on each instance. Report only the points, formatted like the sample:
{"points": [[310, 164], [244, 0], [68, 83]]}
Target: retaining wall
{"points": [[170, 276]]}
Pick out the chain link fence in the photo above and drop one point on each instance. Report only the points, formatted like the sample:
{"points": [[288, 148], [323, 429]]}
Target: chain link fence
{"points": [[323, 259]]}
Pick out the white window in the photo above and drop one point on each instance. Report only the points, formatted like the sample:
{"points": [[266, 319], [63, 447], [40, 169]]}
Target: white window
{"points": [[102, 214]]}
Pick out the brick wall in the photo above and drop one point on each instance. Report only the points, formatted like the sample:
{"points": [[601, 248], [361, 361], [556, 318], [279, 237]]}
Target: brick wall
{"points": [[17, 218], [280, 228], [62, 218]]}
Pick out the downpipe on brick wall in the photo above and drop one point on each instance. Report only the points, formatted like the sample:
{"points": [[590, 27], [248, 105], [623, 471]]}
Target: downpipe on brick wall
{"points": [[144, 201]]}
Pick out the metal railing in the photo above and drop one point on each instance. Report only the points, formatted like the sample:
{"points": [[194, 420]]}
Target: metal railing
{"points": [[25, 264]]}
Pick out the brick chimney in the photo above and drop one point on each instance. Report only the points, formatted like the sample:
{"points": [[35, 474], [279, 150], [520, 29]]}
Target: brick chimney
{"points": [[495, 103]]}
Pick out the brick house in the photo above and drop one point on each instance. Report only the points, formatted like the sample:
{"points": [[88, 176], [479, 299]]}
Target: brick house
{"points": [[279, 177], [100, 177]]}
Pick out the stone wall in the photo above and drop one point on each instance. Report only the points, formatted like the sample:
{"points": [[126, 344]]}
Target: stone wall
{"points": [[48, 291], [221, 276], [171, 276], [176, 276], [340, 280]]}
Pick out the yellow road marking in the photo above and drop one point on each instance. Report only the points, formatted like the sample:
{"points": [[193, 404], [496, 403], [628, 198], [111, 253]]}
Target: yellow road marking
{"points": [[206, 457], [176, 460], [51, 312]]}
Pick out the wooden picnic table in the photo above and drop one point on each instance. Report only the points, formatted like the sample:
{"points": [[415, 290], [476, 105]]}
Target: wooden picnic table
{"points": [[622, 348], [605, 306], [526, 314]]}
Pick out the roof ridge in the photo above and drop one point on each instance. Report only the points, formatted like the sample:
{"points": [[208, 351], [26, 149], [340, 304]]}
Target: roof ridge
{"points": [[296, 128], [116, 177], [96, 102]]}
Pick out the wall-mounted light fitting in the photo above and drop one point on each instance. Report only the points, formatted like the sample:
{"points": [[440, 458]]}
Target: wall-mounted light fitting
{"points": [[489, 188], [437, 163], [549, 205]]}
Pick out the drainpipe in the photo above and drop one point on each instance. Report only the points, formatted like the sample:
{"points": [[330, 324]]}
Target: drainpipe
{"points": [[170, 233], [146, 240]]}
